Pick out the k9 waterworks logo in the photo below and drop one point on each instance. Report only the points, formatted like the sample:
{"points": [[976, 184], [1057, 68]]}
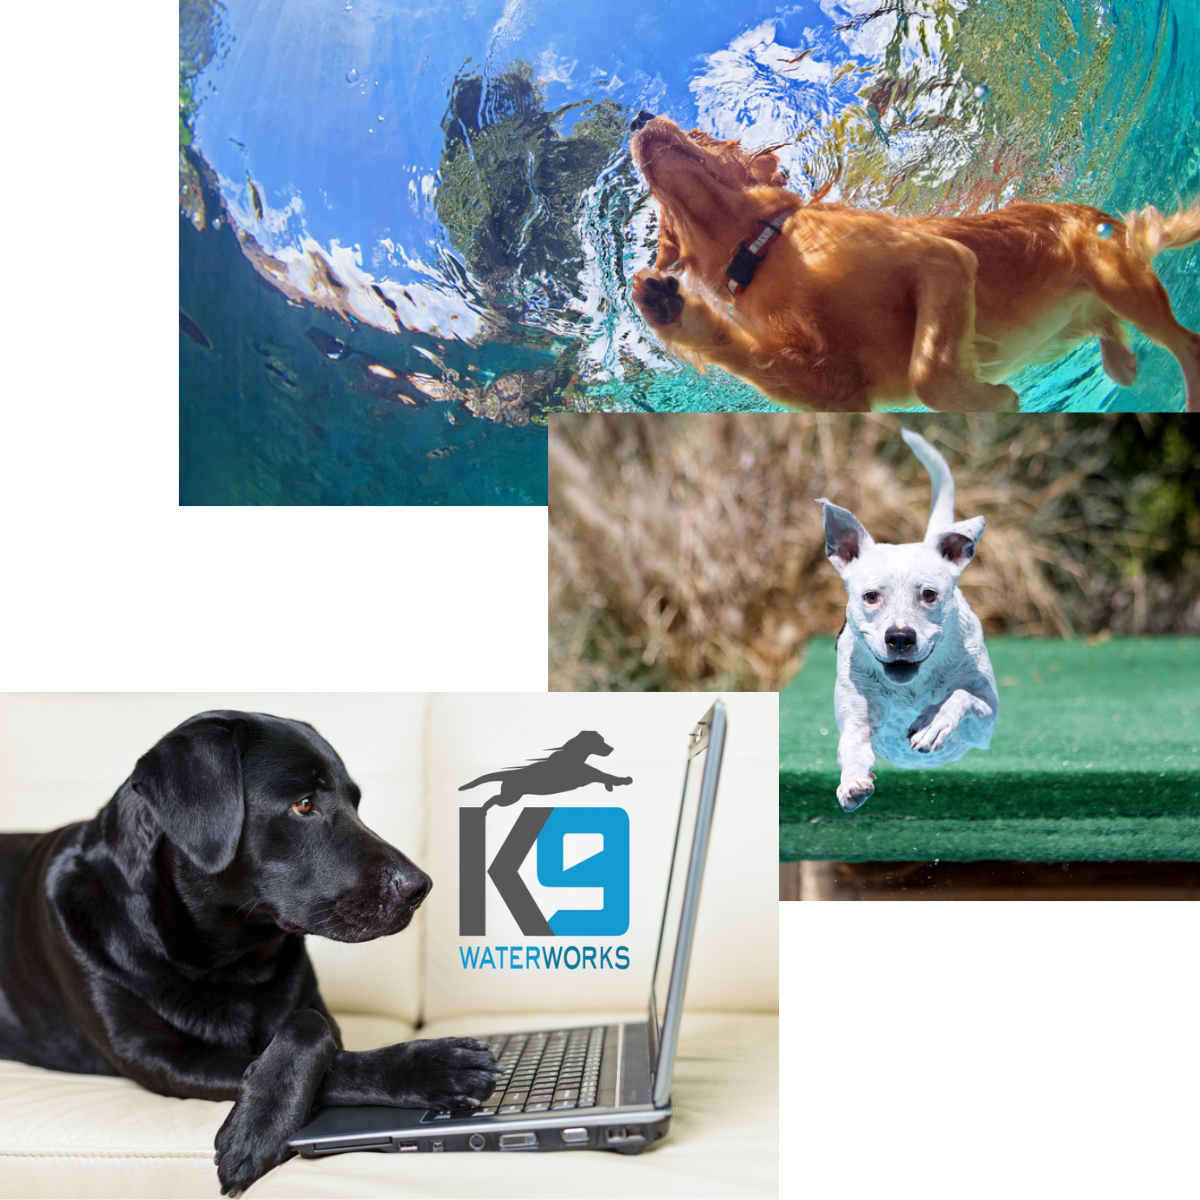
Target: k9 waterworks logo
{"points": [[575, 848]]}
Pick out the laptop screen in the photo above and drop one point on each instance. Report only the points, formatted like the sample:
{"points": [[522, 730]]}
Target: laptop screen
{"points": [[703, 767]]}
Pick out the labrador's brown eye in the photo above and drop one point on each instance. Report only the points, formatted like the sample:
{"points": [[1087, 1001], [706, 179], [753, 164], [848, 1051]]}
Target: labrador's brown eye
{"points": [[303, 807]]}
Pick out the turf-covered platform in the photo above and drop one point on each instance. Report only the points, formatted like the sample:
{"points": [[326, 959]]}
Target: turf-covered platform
{"points": [[1096, 755]]}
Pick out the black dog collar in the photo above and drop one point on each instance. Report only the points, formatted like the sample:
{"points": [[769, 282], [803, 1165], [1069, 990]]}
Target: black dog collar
{"points": [[745, 262]]}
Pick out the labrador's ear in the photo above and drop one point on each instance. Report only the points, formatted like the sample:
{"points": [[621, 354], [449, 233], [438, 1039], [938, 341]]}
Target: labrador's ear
{"points": [[192, 781]]}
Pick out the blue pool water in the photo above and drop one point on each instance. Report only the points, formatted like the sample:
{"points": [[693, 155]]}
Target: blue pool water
{"points": [[447, 189]]}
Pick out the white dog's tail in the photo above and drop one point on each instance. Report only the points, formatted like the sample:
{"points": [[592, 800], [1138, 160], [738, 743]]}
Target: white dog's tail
{"points": [[941, 510]]}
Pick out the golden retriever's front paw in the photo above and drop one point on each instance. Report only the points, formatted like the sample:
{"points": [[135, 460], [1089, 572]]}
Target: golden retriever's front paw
{"points": [[658, 297]]}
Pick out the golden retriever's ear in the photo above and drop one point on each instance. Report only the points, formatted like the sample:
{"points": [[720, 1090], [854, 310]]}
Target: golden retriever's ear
{"points": [[764, 168], [669, 250]]}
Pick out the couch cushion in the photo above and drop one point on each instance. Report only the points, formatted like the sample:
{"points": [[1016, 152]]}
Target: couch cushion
{"points": [[93, 1135], [65, 1135]]}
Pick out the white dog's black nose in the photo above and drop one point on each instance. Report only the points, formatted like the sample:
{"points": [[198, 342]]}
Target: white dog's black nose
{"points": [[900, 638]]}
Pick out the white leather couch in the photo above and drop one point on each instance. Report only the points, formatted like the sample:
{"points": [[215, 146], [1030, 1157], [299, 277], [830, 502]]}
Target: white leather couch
{"points": [[62, 756]]}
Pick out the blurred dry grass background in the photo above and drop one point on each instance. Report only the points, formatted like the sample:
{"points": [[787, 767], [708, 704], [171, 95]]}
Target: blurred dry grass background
{"points": [[686, 551]]}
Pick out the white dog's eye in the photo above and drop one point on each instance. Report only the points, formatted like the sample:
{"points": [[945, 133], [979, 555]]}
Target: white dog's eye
{"points": [[928, 595], [870, 597]]}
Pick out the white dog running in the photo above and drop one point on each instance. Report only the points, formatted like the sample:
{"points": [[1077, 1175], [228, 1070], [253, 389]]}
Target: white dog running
{"points": [[914, 683]]}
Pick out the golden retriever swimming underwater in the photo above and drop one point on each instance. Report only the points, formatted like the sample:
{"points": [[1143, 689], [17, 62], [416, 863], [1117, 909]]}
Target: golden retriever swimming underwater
{"points": [[832, 308]]}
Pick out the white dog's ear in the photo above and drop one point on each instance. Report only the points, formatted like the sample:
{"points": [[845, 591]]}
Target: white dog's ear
{"points": [[957, 543], [845, 538]]}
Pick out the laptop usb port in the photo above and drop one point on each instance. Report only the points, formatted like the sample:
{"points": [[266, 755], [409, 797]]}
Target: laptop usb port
{"points": [[624, 1135], [406, 1147]]}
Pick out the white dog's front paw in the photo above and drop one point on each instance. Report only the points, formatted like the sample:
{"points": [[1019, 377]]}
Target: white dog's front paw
{"points": [[854, 792], [930, 730]]}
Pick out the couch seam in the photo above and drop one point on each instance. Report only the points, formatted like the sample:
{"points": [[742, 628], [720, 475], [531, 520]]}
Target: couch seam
{"points": [[199, 1154]]}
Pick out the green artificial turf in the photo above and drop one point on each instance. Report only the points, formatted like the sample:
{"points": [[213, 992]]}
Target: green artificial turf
{"points": [[1096, 755]]}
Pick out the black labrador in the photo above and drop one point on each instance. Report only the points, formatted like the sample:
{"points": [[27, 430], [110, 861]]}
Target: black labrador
{"points": [[164, 939]]}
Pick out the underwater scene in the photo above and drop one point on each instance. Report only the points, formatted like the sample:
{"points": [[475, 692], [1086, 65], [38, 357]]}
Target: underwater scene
{"points": [[408, 235]]}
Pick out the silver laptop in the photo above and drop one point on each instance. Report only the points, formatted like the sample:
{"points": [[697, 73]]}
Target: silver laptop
{"points": [[607, 1087]]}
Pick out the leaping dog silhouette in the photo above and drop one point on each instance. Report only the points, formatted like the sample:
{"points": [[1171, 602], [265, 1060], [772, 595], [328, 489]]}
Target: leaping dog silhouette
{"points": [[565, 770]]}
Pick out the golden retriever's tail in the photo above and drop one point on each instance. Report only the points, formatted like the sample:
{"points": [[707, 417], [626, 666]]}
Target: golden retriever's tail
{"points": [[1148, 232]]}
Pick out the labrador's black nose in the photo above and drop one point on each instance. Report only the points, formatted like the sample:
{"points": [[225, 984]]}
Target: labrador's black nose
{"points": [[643, 118], [412, 889]]}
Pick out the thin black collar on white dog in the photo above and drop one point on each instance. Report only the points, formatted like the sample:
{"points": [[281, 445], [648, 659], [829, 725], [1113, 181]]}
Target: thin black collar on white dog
{"points": [[745, 262]]}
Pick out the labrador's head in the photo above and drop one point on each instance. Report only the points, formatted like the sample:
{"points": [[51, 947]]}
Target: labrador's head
{"points": [[265, 821]]}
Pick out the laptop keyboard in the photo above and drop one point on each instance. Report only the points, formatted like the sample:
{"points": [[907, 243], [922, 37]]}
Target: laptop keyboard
{"points": [[543, 1071]]}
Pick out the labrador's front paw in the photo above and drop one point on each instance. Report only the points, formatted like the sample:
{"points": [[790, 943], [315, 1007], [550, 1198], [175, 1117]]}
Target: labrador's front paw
{"points": [[855, 791], [658, 297], [274, 1099], [250, 1143], [449, 1072]]}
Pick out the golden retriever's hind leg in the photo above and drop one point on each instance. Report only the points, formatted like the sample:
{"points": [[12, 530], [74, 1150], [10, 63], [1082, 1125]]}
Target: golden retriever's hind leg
{"points": [[1120, 363], [1133, 292], [944, 370]]}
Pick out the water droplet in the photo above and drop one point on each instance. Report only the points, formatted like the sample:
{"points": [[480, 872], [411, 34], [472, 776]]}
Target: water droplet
{"points": [[380, 117], [217, 223], [1104, 230], [980, 91], [348, 6], [352, 76]]}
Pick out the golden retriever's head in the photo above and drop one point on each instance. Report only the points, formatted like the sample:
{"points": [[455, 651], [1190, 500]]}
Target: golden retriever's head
{"points": [[706, 188]]}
